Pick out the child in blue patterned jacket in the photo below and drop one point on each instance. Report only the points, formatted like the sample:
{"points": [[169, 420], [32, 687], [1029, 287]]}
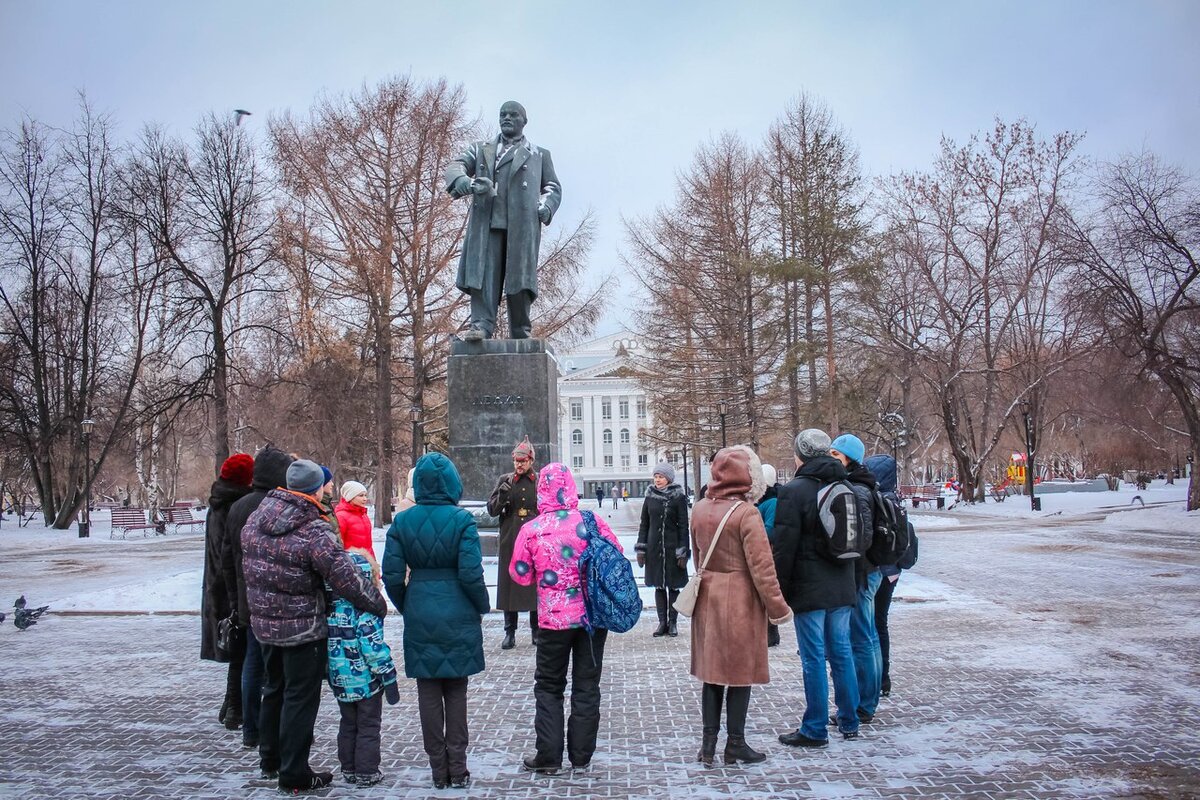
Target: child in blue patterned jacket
{"points": [[361, 673]]}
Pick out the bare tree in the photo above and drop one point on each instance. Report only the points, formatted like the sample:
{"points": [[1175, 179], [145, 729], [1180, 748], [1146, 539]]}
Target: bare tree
{"points": [[1138, 256]]}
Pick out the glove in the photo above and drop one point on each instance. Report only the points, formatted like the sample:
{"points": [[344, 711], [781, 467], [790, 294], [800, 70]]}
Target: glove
{"points": [[682, 562], [505, 485], [392, 693], [544, 214], [641, 559], [482, 186]]}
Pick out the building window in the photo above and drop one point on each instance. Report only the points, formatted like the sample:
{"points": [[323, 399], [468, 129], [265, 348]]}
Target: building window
{"points": [[641, 409], [576, 411], [608, 436], [606, 408], [577, 437], [643, 460], [625, 463], [623, 407], [624, 435], [608, 461], [576, 462]]}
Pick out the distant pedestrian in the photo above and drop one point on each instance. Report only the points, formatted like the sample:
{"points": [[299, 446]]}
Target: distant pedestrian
{"points": [[599, 497], [616, 497], [218, 593], [821, 592], [514, 501], [436, 545], [547, 555], [354, 522], [290, 554], [361, 673], [664, 546], [738, 596]]}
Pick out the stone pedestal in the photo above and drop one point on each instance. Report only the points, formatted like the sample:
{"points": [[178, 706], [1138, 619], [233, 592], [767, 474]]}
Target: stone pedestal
{"points": [[498, 392]]}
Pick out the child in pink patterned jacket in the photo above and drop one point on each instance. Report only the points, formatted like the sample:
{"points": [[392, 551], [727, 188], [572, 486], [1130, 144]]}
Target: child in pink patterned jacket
{"points": [[547, 550]]}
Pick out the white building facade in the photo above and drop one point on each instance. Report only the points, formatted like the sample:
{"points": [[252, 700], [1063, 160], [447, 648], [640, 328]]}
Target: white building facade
{"points": [[601, 411]]}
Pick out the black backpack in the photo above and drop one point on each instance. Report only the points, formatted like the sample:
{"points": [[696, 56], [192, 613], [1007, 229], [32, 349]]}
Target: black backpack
{"points": [[837, 511], [892, 535], [909, 559]]}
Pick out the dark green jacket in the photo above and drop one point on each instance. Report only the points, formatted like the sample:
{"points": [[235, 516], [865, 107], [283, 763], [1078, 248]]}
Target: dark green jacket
{"points": [[443, 598]]}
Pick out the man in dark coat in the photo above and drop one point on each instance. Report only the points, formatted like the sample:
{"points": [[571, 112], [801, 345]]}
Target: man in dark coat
{"points": [[820, 591], [513, 191], [218, 597], [663, 545], [270, 472], [514, 501], [289, 556]]}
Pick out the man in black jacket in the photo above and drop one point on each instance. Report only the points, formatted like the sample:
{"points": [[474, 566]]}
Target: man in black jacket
{"points": [[820, 590], [270, 472]]}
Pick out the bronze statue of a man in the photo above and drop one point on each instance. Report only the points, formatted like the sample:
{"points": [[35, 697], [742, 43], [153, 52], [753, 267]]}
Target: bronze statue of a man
{"points": [[513, 191]]}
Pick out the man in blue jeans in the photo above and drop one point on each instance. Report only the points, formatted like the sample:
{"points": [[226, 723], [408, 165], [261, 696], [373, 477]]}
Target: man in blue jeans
{"points": [[820, 591]]}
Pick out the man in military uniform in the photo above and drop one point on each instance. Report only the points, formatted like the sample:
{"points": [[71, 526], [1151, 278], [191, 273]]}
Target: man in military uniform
{"points": [[514, 501]]}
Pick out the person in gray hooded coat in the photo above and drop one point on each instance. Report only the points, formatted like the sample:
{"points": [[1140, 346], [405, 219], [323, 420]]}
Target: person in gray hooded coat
{"points": [[663, 546]]}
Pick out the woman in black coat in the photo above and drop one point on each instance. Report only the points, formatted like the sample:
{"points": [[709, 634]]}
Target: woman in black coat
{"points": [[663, 545], [218, 598]]}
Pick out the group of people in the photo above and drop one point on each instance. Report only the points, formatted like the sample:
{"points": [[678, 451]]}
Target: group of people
{"points": [[294, 597]]}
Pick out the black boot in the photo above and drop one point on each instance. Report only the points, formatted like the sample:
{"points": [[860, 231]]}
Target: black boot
{"points": [[510, 640], [737, 750], [672, 614], [708, 749], [223, 711], [660, 605]]}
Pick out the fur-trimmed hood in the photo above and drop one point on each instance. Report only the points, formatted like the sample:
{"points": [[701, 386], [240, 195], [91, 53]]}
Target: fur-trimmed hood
{"points": [[737, 474]]}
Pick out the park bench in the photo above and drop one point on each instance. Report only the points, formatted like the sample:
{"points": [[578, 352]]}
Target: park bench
{"points": [[179, 517], [923, 494], [129, 519], [998, 494]]}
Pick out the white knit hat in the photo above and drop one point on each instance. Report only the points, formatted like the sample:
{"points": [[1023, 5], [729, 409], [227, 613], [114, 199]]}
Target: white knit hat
{"points": [[352, 489]]}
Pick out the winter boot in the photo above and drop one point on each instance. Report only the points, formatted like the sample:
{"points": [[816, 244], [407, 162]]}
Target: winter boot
{"points": [[510, 640], [708, 749], [660, 605], [672, 615], [737, 750]]}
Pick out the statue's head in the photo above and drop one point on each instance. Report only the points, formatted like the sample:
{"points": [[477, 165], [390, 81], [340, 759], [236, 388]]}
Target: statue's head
{"points": [[512, 119]]}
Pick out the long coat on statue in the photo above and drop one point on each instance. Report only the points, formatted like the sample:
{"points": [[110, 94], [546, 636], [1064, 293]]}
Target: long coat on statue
{"points": [[508, 505], [524, 178]]}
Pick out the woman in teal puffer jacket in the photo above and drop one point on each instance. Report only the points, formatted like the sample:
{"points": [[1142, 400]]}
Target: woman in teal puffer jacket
{"points": [[442, 601]]}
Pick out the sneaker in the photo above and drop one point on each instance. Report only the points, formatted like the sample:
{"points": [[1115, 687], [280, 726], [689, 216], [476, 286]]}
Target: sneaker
{"points": [[250, 743], [576, 768], [461, 782], [369, 778], [268, 774], [530, 764], [798, 739], [349, 777], [849, 734], [472, 335], [318, 780], [863, 719]]}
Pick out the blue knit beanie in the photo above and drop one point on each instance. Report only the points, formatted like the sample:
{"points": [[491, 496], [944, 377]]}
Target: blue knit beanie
{"points": [[327, 473], [850, 446]]}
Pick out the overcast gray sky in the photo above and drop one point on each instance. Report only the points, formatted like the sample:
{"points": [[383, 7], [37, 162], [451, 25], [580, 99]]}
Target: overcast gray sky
{"points": [[623, 92]]}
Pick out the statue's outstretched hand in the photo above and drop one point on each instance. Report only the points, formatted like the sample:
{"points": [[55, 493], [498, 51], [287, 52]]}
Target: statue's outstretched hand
{"points": [[482, 185]]}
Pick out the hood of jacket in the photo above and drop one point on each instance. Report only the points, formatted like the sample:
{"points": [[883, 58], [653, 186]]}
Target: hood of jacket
{"points": [[769, 494], [858, 473], [883, 467], [293, 511], [225, 493], [825, 469], [668, 492], [436, 480], [736, 475], [270, 468], [556, 489]]}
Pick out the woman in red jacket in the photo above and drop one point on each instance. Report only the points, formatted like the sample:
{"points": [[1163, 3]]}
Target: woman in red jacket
{"points": [[353, 519]]}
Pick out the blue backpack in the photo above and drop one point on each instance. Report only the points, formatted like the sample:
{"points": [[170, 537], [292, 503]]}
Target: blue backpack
{"points": [[610, 592]]}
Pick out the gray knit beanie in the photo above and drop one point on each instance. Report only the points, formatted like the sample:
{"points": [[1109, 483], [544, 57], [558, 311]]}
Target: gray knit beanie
{"points": [[305, 476], [812, 442], [666, 470]]}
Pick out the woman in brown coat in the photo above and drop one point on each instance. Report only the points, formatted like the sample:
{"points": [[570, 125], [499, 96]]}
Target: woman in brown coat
{"points": [[737, 596]]}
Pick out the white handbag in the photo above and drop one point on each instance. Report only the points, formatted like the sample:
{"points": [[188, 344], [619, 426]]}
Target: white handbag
{"points": [[685, 603]]}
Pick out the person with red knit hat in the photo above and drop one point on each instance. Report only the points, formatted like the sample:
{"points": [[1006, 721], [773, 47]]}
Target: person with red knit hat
{"points": [[218, 599]]}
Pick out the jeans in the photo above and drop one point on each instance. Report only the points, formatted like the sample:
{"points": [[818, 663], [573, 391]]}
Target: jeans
{"points": [[586, 657], [291, 699], [864, 640], [819, 633], [252, 681], [883, 602]]}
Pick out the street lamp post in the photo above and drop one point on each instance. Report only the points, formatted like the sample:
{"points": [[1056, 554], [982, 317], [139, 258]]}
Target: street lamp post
{"points": [[85, 522], [722, 410], [418, 447], [1035, 503]]}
